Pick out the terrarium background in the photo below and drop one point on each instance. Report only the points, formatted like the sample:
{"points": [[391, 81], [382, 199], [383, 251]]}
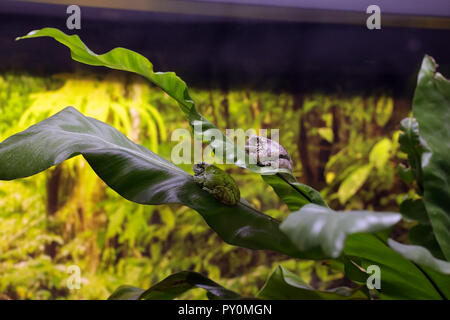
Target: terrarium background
{"points": [[335, 92]]}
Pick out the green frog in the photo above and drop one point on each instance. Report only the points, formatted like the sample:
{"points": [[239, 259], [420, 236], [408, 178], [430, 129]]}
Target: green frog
{"points": [[217, 182]]}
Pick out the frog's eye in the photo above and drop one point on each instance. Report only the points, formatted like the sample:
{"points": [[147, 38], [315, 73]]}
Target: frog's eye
{"points": [[199, 168]]}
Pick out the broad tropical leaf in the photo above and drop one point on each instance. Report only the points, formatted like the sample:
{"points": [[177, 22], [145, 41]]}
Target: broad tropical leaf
{"points": [[136, 173], [126, 293], [178, 283], [173, 286], [414, 209], [318, 228], [431, 108], [285, 285]]}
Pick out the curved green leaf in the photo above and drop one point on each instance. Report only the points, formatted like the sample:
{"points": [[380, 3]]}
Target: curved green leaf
{"points": [[128, 60], [173, 286], [126, 293], [414, 209], [285, 285], [315, 227], [136, 173], [178, 283], [121, 59], [431, 108]]}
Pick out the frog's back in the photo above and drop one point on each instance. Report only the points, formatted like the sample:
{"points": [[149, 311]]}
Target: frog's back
{"points": [[227, 189]]}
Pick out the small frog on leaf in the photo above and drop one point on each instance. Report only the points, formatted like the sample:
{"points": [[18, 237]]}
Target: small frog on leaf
{"points": [[217, 182], [268, 153]]}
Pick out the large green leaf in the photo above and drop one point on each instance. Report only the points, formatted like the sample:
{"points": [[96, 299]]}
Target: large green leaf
{"points": [[318, 228], [431, 108], [173, 286], [400, 278], [285, 285], [127, 60], [136, 173], [414, 209]]}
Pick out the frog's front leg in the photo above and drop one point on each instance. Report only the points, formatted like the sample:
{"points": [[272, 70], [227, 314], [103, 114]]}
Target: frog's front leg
{"points": [[211, 191], [199, 179]]}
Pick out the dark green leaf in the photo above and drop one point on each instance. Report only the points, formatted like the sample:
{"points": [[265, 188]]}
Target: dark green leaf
{"points": [[353, 270], [173, 286], [414, 209], [126, 293], [406, 174], [176, 284], [136, 173], [431, 108], [285, 285], [423, 235], [315, 227]]}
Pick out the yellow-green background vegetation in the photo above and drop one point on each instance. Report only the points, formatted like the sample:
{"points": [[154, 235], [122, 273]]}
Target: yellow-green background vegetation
{"points": [[343, 145]]}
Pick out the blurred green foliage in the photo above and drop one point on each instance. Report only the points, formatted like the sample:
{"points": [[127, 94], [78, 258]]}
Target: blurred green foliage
{"points": [[67, 216]]}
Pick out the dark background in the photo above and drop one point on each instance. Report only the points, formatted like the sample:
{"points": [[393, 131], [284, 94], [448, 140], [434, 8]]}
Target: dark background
{"points": [[208, 51]]}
